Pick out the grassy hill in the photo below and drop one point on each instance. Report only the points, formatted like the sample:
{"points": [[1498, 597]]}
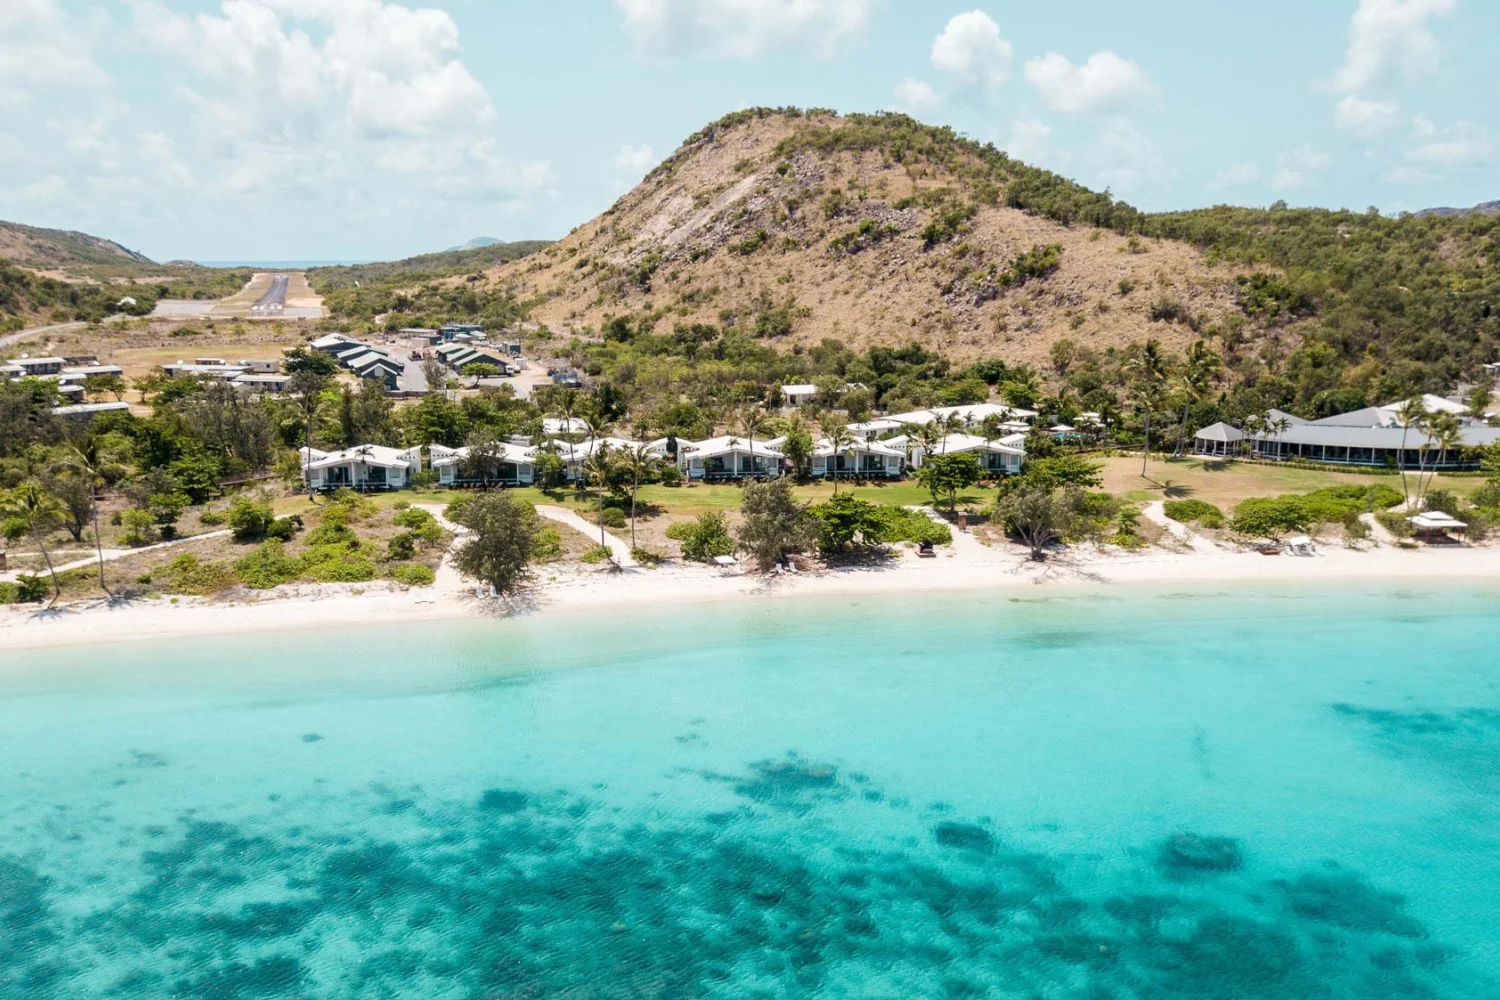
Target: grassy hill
{"points": [[65, 251]]}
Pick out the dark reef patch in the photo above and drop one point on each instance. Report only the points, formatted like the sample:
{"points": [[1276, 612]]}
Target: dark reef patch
{"points": [[503, 801], [541, 896], [1188, 854]]}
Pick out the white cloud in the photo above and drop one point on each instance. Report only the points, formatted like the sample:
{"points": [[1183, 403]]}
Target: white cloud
{"points": [[739, 28], [1296, 168], [1127, 157], [915, 97], [636, 159], [41, 46], [1390, 38], [50, 188], [1365, 119], [1104, 81], [1462, 144], [1236, 175], [1408, 175], [1030, 141], [289, 95], [971, 49]]}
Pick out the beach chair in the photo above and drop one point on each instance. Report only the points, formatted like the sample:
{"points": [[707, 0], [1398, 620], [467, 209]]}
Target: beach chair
{"points": [[925, 551]]}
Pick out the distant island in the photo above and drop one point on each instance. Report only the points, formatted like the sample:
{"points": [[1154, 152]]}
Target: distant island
{"points": [[476, 243]]}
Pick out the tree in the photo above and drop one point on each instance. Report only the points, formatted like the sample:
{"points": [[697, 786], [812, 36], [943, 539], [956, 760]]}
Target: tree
{"points": [[166, 510], [1269, 517], [480, 369], [1038, 514], [306, 388], [1200, 367], [1412, 413], [1148, 371], [798, 449], [77, 501], [841, 440], [94, 466], [1446, 433], [774, 525], [1063, 470], [503, 538], [752, 421], [300, 360], [97, 385], [1478, 399], [945, 475], [596, 425], [640, 462], [843, 518], [249, 520], [703, 538], [40, 512]]}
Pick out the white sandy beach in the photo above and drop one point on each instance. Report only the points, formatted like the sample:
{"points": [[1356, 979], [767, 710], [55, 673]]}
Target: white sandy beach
{"points": [[965, 566]]}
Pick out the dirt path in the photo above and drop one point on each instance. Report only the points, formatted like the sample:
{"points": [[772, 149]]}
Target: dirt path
{"points": [[619, 550], [110, 555], [1156, 513]]}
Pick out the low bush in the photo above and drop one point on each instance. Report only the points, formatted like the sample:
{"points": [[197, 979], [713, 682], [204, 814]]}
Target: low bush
{"points": [[412, 517], [338, 566], [703, 538], [283, 529], [187, 574], [1190, 511], [268, 566], [211, 518], [646, 557], [597, 554], [332, 534], [612, 517], [401, 547], [1395, 522], [549, 546], [31, 588], [249, 520], [356, 506], [413, 574]]}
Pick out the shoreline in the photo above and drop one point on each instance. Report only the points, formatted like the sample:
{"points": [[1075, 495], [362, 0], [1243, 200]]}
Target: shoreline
{"points": [[971, 568]]}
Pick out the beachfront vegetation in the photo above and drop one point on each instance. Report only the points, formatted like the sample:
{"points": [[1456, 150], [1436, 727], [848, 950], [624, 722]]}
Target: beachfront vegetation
{"points": [[505, 537], [1194, 511], [704, 537], [774, 524]]}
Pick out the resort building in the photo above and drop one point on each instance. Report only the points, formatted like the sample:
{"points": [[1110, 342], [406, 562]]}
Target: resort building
{"points": [[553, 426], [729, 457], [1012, 418], [257, 382], [507, 465], [1373, 436], [88, 411], [38, 366], [862, 460], [1001, 457], [366, 467], [576, 455], [798, 395]]}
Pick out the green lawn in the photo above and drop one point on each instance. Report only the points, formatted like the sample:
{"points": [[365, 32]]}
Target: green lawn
{"points": [[1227, 483]]}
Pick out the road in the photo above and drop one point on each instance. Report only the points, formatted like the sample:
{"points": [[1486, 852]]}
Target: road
{"points": [[13, 338], [274, 299]]}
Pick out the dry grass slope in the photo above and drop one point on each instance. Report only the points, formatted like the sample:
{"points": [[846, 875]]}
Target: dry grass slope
{"points": [[751, 225], [47, 249]]}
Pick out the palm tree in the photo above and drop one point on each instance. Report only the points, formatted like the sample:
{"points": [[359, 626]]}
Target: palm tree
{"points": [[640, 461], [1200, 367], [1254, 424], [1446, 432], [1148, 371], [92, 464], [927, 436], [752, 420], [40, 511], [1412, 413], [307, 387], [841, 439], [990, 430], [1278, 427], [567, 405], [595, 425]]}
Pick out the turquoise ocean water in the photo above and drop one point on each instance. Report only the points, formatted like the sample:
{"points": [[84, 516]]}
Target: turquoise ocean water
{"points": [[1153, 795]]}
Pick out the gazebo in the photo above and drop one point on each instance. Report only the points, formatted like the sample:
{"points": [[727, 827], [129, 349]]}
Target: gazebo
{"points": [[1435, 526], [1219, 440]]}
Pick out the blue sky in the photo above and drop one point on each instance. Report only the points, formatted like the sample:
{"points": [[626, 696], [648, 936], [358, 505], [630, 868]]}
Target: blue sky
{"points": [[330, 129]]}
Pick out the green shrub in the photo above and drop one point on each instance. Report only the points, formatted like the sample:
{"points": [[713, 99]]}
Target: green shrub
{"points": [[356, 506], [268, 566], [1189, 511], [31, 589], [401, 547], [188, 575], [703, 538], [332, 534], [9, 592], [284, 528], [1442, 500], [413, 574], [612, 517], [211, 518], [140, 527], [338, 566], [646, 557], [549, 546], [412, 517], [597, 554], [248, 520], [1395, 522]]}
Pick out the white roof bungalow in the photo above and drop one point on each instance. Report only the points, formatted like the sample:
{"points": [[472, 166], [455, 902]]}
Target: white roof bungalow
{"points": [[798, 395], [575, 455], [862, 460], [1001, 457], [970, 416], [366, 467], [38, 366], [333, 343], [513, 465], [258, 382], [552, 426], [728, 457]]}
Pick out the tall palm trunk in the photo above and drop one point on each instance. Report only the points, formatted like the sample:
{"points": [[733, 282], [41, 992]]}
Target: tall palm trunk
{"points": [[1146, 451], [98, 542], [1182, 432], [1401, 464], [635, 487], [41, 543]]}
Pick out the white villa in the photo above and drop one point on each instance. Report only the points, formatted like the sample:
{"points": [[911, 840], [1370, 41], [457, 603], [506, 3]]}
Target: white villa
{"points": [[728, 457], [798, 395], [575, 455], [1004, 456], [516, 466], [862, 460], [1012, 418], [367, 467]]}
